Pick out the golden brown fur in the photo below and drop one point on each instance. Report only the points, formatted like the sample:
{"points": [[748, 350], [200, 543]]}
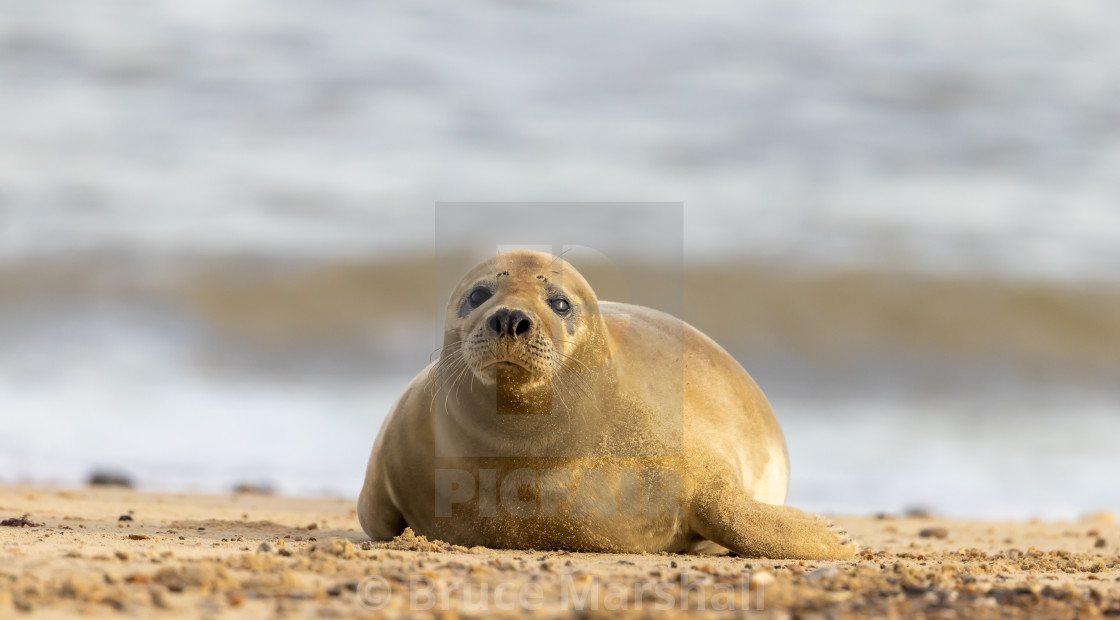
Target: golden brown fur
{"points": [[607, 427]]}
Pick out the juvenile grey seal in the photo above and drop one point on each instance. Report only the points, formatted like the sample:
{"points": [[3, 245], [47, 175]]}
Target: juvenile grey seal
{"points": [[553, 420]]}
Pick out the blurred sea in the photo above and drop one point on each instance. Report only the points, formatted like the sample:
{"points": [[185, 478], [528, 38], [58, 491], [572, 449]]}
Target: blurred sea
{"points": [[217, 225]]}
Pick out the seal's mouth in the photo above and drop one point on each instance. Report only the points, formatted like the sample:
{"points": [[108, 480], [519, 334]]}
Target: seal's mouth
{"points": [[505, 365], [507, 372]]}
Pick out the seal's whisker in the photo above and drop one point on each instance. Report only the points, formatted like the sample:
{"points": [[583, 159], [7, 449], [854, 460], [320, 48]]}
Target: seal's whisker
{"points": [[573, 359], [444, 349], [570, 380], [567, 409], [447, 371], [564, 387], [447, 353], [456, 377], [586, 368], [577, 379], [447, 358], [563, 381], [444, 367], [575, 387]]}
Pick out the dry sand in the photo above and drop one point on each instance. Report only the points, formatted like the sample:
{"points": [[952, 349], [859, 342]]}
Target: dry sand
{"points": [[259, 556]]}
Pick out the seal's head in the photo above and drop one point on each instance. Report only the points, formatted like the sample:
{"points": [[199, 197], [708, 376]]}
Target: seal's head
{"points": [[520, 319]]}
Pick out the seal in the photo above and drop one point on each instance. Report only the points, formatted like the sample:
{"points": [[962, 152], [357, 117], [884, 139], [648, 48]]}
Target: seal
{"points": [[554, 420]]}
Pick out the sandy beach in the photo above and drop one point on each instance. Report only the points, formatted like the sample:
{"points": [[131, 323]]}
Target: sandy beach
{"points": [[113, 551]]}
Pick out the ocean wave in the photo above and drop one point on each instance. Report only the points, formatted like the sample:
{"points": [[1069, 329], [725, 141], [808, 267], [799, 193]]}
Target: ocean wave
{"points": [[377, 309]]}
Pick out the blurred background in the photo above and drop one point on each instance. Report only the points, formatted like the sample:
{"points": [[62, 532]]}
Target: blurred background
{"points": [[218, 260]]}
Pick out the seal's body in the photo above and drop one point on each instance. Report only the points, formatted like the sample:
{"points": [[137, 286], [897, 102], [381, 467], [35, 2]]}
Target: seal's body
{"points": [[555, 421]]}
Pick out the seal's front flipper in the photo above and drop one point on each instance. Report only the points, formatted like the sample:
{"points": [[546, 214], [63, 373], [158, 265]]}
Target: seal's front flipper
{"points": [[752, 529], [380, 519]]}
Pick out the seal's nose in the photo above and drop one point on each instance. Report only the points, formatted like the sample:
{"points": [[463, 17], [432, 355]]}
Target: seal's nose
{"points": [[509, 322]]}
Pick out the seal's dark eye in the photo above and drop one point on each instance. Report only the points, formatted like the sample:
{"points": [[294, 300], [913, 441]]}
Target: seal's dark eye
{"points": [[560, 306], [478, 296]]}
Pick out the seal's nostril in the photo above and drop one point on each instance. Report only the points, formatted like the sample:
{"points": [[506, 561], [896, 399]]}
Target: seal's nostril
{"points": [[497, 321], [519, 323]]}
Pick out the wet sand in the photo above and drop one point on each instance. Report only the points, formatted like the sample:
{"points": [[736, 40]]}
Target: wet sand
{"points": [[109, 551]]}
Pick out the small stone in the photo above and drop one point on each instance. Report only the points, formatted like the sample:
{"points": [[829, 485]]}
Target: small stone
{"points": [[19, 522], [919, 512], [1100, 518], [109, 479], [137, 537], [761, 579], [251, 488], [934, 532], [1101, 543], [264, 548], [821, 573]]}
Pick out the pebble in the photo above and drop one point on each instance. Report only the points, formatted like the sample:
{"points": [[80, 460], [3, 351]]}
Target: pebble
{"points": [[761, 579], [109, 479], [1100, 518], [934, 532], [250, 488], [19, 522], [821, 573]]}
